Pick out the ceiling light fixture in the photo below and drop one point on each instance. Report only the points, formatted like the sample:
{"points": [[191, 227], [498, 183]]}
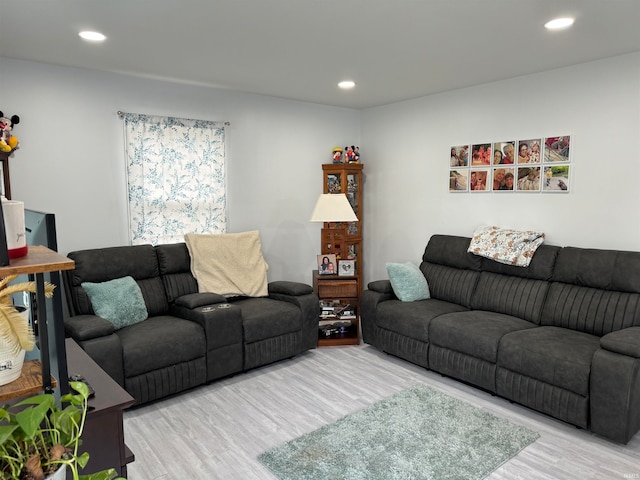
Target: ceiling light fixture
{"points": [[559, 23], [347, 84], [92, 36]]}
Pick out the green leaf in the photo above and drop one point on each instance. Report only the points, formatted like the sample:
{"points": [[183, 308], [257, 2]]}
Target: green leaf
{"points": [[38, 400], [81, 388], [103, 475], [72, 399], [6, 432], [83, 459], [31, 418]]}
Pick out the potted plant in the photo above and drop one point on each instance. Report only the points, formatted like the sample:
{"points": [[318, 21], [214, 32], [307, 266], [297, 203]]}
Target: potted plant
{"points": [[39, 438], [16, 334]]}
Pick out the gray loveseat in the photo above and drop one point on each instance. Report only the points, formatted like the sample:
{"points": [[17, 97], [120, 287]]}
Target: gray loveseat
{"points": [[561, 336], [190, 338]]}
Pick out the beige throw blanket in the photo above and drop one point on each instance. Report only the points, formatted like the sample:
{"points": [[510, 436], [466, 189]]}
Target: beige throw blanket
{"points": [[229, 264], [512, 247]]}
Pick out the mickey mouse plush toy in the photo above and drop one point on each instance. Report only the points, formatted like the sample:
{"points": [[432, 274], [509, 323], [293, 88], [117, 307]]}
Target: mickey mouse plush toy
{"points": [[8, 142]]}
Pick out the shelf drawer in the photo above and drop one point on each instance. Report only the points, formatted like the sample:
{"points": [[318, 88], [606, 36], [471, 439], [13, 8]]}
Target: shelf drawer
{"points": [[337, 288]]}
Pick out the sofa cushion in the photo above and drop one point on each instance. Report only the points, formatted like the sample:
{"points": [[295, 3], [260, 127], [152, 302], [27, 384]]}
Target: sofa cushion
{"points": [[103, 264], [450, 284], [160, 342], [411, 319], [604, 269], [119, 300], [590, 310], [553, 355], [175, 269], [451, 251], [264, 318], [520, 297], [475, 333], [407, 281]]}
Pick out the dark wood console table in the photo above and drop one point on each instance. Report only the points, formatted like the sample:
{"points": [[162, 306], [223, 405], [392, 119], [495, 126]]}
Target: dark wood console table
{"points": [[103, 435]]}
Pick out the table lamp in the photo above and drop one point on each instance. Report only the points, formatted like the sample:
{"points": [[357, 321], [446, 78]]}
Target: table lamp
{"points": [[333, 209]]}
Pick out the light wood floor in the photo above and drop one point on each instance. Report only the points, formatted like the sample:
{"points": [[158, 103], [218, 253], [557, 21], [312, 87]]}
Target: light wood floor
{"points": [[217, 431]]}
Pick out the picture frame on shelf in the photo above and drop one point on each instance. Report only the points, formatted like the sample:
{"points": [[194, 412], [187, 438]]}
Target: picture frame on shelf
{"points": [[346, 268], [327, 264]]}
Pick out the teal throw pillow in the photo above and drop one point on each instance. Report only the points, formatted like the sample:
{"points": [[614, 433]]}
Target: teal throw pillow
{"points": [[408, 282], [120, 301]]}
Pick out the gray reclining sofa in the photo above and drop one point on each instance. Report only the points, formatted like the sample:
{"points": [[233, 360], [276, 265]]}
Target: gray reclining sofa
{"points": [[189, 338], [561, 336]]}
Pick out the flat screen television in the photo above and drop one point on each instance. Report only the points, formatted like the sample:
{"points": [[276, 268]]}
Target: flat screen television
{"points": [[40, 228]]}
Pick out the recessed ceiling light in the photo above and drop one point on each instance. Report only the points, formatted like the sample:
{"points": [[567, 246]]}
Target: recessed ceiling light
{"points": [[346, 84], [92, 36], [559, 23]]}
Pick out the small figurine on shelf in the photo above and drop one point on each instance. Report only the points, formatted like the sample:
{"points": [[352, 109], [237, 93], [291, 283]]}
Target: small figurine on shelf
{"points": [[8, 142], [337, 155], [356, 154], [349, 154]]}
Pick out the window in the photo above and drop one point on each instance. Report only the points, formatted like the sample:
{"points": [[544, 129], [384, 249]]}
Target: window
{"points": [[175, 177]]}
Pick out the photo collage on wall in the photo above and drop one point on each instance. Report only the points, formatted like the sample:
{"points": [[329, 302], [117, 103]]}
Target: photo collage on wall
{"points": [[528, 165]]}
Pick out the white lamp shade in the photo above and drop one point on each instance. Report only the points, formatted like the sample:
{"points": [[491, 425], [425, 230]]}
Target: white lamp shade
{"points": [[333, 207]]}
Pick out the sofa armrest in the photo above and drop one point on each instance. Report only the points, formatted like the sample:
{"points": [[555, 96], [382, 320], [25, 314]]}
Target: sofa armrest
{"points": [[195, 300], [290, 288], [224, 335], [624, 342], [369, 301], [381, 286], [86, 327], [107, 352], [301, 295], [222, 322]]}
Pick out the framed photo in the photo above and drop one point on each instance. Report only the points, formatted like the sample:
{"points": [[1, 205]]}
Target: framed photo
{"points": [[528, 179], [346, 268], [556, 178], [556, 149], [504, 153], [481, 155], [327, 264], [459, 180], [530, 150], [479, 180], [459, 156], [503, 179]]}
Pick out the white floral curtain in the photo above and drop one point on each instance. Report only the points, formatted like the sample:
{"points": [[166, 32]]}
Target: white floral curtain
{"points": [[175, 176]]}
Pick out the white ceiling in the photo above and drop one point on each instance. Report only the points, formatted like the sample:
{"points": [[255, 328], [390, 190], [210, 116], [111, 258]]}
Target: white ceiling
{"points": [[300, 49]]}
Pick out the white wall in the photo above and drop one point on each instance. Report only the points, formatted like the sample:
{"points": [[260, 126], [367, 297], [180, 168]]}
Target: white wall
{"points": [[71, 160], [406, 150]]}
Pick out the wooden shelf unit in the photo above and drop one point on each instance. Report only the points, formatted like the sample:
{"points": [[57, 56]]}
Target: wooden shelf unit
{"points": [[344, 289], [29, 383], [37, 262], [345, 238]]}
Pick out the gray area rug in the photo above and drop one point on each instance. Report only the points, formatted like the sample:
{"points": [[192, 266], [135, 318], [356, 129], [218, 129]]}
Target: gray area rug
{"points": [[419, 433]]}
